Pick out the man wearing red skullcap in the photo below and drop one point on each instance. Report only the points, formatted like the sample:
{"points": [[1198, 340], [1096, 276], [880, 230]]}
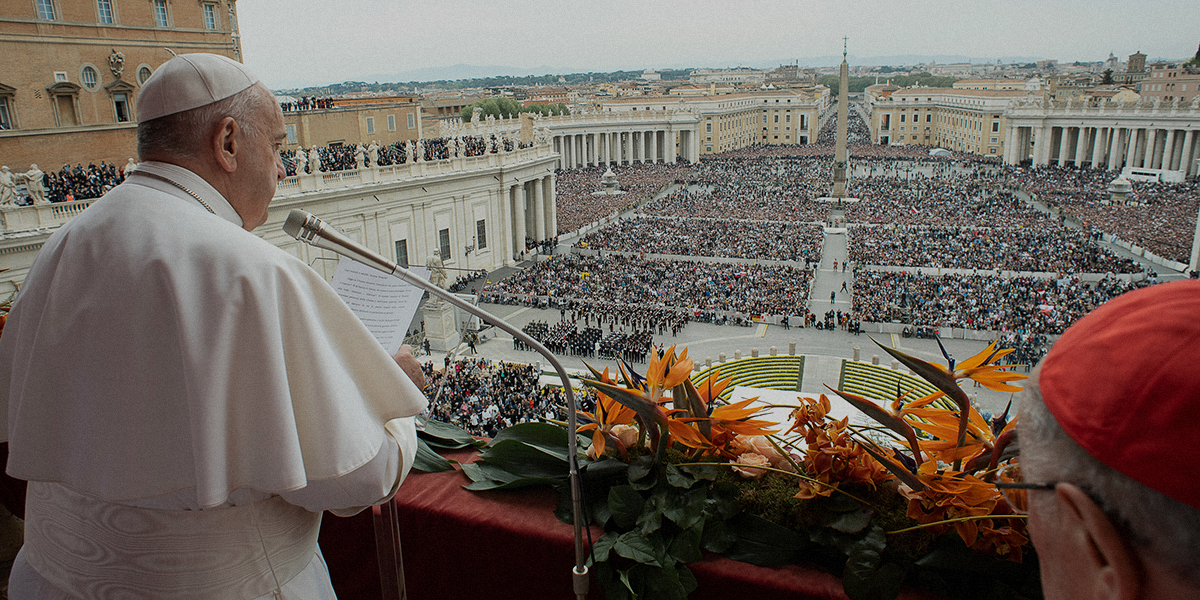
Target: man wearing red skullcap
{"points": [[1109, 427]]}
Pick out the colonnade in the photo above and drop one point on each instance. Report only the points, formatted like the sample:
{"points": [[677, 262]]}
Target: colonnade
{"points": [[1106, 147], [529, 211], [625, 147]]}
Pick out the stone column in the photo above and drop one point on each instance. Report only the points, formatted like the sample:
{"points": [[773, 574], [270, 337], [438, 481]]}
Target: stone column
{"points": [[1012, 141], [1168, 156], [1186, 158], [1080, 145], [1114, 150], [551, 207], [1098, 144], [518, 193], [539, 211], [1039, 146], [1064, 138], [1151, 142], [506, 230], [654, 146], [1132, 148]]}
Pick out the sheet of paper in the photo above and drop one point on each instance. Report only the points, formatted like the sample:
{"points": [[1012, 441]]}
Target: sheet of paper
{"points": [[385, 304]]}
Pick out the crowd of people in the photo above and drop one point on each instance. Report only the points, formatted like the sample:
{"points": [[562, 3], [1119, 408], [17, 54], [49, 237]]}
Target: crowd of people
{"points": [[772, 240], [81, 183], [1160, 217], [575, 190], [483, 397], [1020, 305], [952, 200], [1052, 248], [630, 280], [307, 103], [763, 189]]}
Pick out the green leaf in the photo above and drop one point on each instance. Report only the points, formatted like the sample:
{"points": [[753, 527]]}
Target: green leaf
{"points": [[761, 542], [480, 486], [853, 522], [634, 546], [445, 435], [651, 518], [524, 460], [678, 479], [640, 467], [705, 472], [625, 504], [603, 545], [685, 509], [862, 563], [716, 537], [546, 437], [686, 546], [429, 461], [484, 472]]}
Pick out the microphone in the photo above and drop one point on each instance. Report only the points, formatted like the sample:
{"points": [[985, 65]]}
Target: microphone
{"points": [[307, 228]]}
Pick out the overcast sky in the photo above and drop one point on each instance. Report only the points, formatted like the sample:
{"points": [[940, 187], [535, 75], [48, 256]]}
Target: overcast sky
{"points": [[315, 42]]}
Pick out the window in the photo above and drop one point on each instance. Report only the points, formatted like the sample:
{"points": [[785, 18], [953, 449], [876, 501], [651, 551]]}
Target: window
{"points": [[210, 16], [370, 124], [480, 234], [391, 122], [104, 11], [121, 106], [411, 122], [929, 118], [160, 13], [45, 9], [291, 134], [776, 118], [144, 73], [402, 253], [6, 120], [903, 117], [787, 118], [995, 127], [60, 76], [89, 77], [444, 243]]}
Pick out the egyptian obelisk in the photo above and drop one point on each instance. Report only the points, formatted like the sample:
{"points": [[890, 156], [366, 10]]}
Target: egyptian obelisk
{"points": [[839, 156]]}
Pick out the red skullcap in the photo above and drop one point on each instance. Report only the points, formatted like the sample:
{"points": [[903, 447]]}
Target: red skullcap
{"points": [[1124, 383]]}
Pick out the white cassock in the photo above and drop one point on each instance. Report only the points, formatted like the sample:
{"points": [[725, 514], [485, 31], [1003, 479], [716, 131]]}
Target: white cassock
{"points": [[184, 399]]}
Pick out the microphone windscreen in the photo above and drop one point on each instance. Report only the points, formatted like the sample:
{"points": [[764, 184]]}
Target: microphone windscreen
{"points": [[295, 222]]}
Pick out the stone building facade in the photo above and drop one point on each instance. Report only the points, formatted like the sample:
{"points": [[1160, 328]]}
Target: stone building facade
{"points": [[71, 71]]}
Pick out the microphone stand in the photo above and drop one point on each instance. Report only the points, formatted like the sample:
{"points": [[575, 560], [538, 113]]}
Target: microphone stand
{"points": [[307, 228]]}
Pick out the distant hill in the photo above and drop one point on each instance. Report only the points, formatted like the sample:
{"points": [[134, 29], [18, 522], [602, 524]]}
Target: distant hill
{"points": [[463, 75]]}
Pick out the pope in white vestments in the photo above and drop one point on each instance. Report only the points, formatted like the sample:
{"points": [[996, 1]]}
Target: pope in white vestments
{"points": [[185, 399]]}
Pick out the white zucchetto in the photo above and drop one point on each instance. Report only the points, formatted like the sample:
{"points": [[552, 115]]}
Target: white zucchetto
{"points": [[190, 81]]}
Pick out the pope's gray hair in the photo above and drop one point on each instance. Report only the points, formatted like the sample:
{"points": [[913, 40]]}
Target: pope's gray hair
{"points": [[186, 134], [1164, 529]]}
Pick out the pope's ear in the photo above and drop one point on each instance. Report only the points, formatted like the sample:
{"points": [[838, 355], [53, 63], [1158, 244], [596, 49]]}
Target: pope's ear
{"points": [[1115, 568], [225, 143]]}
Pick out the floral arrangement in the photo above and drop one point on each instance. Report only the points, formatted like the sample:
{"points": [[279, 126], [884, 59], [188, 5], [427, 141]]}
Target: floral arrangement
{"points": [[671, 472]]}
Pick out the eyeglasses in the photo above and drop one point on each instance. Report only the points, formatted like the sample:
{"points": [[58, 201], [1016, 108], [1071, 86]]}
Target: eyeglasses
{"points": [[1014, 488]]}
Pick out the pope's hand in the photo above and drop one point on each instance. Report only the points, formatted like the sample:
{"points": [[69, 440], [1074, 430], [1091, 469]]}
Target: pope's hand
{"points": [[404, 357]]}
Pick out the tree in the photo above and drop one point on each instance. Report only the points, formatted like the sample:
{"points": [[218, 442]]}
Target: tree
{"points": [[1107, 77]]}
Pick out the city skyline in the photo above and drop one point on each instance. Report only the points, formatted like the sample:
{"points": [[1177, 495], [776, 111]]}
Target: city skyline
{"points": [[306, 42]]}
